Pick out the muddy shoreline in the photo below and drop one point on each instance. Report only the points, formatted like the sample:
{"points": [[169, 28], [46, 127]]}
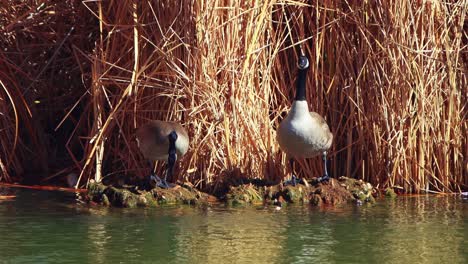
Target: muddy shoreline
{"points": [[335, 192]]}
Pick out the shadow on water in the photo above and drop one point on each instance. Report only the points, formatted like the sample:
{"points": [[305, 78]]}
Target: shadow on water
{"points": [[51, 227]]}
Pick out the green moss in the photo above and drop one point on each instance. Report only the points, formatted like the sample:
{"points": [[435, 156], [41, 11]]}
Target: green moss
{"points": [[295, 194], [146, 199], [130, 197], [390, 193], [370, 199], [361, 196], [121, 197], [95, 191], [334, 192], [244, 194], [177, 196], [235, 202]]}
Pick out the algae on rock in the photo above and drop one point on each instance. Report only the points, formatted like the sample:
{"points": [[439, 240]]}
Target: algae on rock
{"points": [[131, 197], [333, 192]]}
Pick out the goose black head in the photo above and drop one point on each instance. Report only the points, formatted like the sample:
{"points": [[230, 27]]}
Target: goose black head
{"points": [[173, 136], [303, 63]]}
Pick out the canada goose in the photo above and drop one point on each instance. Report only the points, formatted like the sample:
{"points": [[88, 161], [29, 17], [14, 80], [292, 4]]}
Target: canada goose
{"points": [[304, 134], [161, 140]]}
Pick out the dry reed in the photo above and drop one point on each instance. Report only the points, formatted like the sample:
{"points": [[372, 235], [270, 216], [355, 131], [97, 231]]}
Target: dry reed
{"points": [[390, 78]]}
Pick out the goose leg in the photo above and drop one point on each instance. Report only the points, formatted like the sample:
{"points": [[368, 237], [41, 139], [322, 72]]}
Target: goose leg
{"points": [[324, 177], [293, 180], [170, 169], [152, 180]]}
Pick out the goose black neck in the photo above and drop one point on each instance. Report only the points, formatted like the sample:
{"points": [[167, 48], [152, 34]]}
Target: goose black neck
{"points": [[172, 139], [301, 85]]}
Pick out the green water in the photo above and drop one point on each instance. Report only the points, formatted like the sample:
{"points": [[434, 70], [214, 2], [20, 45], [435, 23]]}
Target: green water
{"points": [[51, 227]]}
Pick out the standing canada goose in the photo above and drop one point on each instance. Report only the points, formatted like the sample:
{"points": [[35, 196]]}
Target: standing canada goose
{"points": [[304, 134], [161, 140]]}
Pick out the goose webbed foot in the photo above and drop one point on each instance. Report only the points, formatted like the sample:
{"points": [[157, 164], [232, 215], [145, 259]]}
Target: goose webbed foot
{"points": [[293, 181], [324, 178], [153, 181], [165, 185]]}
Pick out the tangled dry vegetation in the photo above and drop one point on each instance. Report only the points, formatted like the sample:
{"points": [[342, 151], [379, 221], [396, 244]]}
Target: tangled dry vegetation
{"points": [[78, 77]]}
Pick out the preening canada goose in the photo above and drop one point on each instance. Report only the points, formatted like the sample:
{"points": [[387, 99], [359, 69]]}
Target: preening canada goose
{"points": [[304, 134], [161, 140]]}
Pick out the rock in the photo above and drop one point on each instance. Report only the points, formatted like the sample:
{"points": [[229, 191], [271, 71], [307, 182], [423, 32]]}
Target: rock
{"points": [[334, 192], [129, 197], [390, 193], [316, 200], [245, 194]]}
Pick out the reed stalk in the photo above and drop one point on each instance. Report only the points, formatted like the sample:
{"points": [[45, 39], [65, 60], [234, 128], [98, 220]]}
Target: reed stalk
{"points": [[389, 77]]}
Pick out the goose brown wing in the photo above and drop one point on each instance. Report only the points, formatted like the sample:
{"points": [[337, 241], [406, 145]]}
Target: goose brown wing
{"points": [[323, 124]]}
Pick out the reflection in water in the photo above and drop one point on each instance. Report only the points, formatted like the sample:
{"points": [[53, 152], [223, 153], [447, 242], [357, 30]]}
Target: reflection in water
{"points": [[309, 238], [231, 236], [98, 238], [424, 230], [49, 227]]}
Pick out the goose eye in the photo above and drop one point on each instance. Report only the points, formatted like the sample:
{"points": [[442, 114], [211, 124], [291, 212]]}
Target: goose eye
{"points": [[303, 62]]}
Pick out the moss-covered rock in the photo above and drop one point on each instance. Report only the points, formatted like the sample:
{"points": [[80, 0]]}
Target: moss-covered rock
{"points": [[131, 197], [390, 193], [315, 199], [244, 194], [296, 194], [177, 195], [333, 192], [361, 191]]}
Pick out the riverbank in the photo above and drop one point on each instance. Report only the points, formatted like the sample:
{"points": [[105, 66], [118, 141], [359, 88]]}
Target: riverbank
{"points": [[335, 192]]}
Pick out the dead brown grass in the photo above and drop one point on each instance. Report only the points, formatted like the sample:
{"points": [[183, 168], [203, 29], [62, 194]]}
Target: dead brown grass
{"points": [[390, 78]]}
